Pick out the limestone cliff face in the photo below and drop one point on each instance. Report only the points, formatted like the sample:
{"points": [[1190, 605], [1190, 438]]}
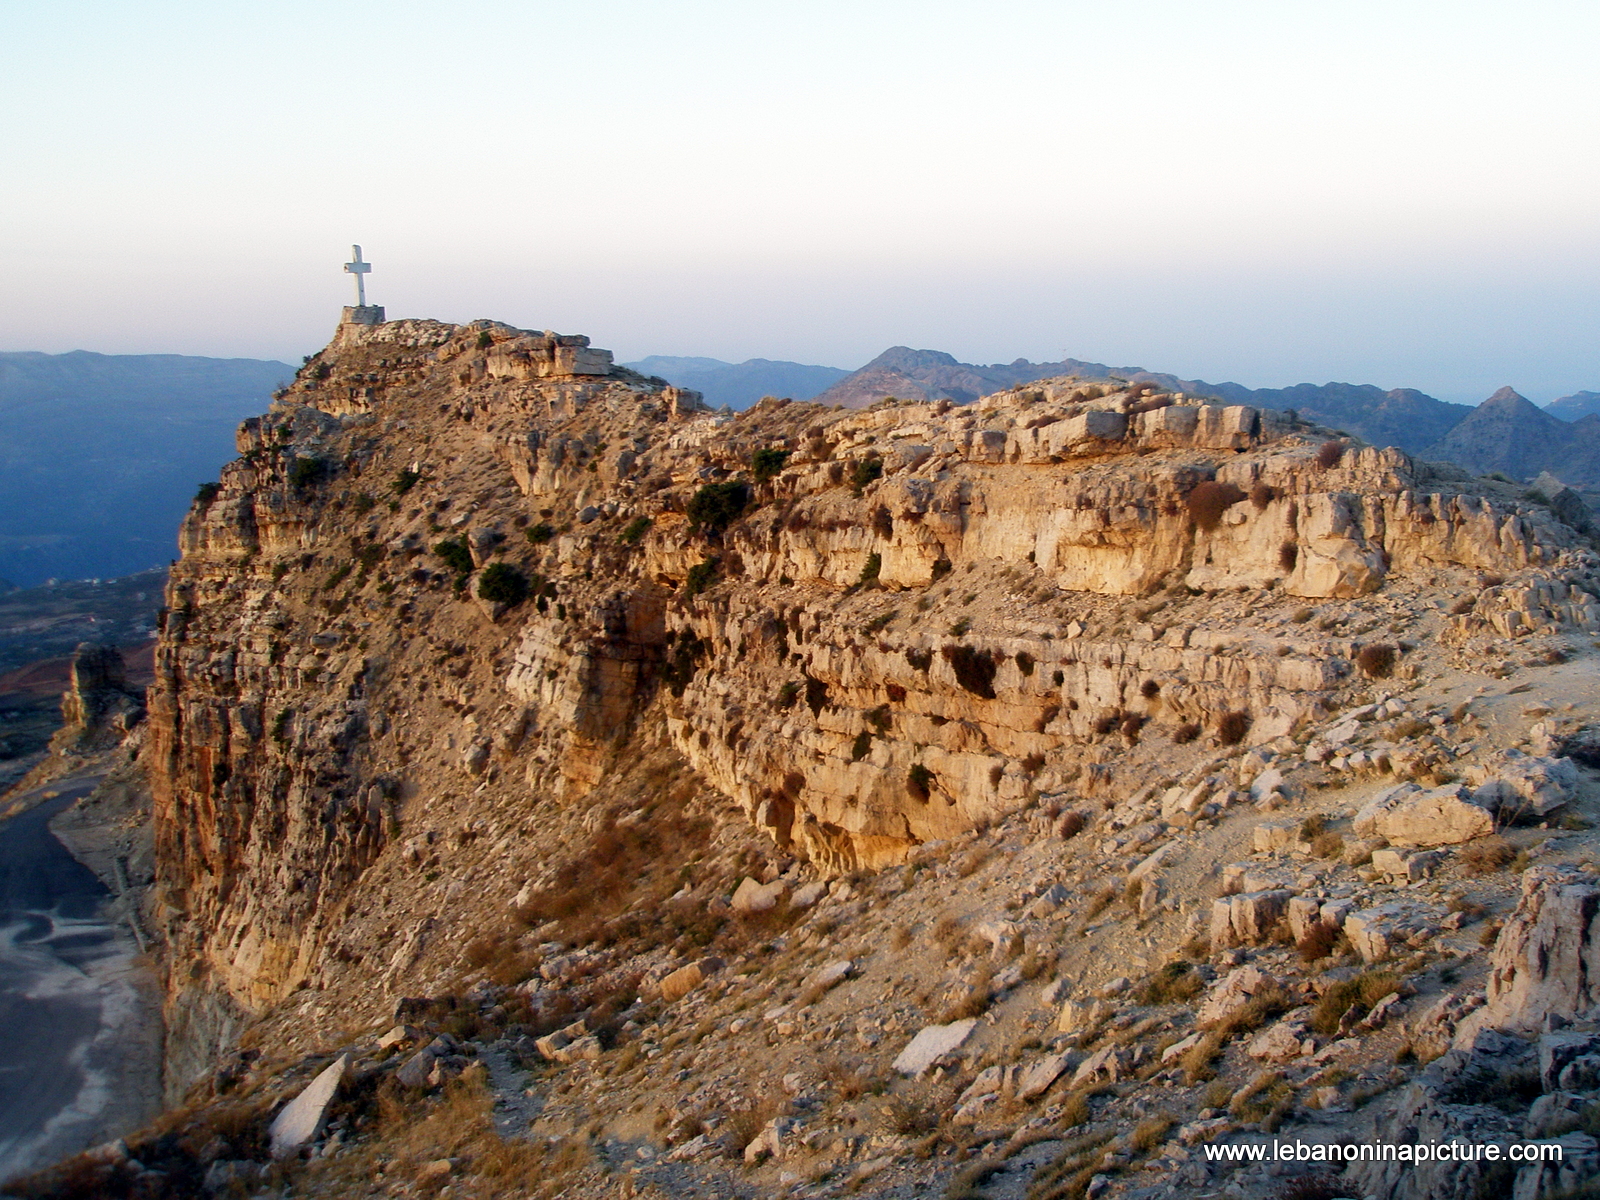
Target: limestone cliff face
{"points": [[924, 616]]}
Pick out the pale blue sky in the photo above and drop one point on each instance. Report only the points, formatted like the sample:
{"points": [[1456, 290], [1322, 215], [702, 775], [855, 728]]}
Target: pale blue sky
{"points": [[1399, 192]]}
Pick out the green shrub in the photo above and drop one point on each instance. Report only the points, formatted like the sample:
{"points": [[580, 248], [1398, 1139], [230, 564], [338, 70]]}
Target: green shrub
{"points": [[206, 493], [405, 481], [634, 530], [701, 576], [307, 472], [455, 554], [501, 583], [363, 503], [541, 533], [717, 505], [865, 471], [765, 464], [870, 569]]}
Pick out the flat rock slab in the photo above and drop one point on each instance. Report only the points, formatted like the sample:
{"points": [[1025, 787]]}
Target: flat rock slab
{"points": [[932, 1043], [301, 1119]]}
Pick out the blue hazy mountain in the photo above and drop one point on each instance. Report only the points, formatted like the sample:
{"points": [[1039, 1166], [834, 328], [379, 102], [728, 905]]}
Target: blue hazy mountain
{"points": [[739, 385], [1575, 407], [100, 454]]}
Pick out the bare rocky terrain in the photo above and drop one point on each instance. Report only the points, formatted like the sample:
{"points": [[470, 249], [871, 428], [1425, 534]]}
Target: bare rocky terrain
{"points": [[564, 790]]}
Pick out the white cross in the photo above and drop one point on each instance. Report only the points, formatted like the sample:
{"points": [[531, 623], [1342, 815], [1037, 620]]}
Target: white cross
{"points": [[359, 270]]}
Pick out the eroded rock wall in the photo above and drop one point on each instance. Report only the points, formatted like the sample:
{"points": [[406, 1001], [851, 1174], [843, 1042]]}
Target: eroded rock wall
{"points": [[927, 615]]}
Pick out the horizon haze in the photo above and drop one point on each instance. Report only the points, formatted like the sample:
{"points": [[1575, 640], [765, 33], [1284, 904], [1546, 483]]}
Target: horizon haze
{"points": [[1262, 193]]}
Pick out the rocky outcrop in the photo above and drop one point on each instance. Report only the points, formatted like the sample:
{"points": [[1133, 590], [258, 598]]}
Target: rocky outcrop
{"points": [[1546, 960], [868, 630], [1410, 816], [99, 707]]}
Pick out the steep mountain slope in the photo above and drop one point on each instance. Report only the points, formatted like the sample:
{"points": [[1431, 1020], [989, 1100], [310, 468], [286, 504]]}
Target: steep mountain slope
{"points": [[1571, 408], [1402, 417], [675, 780], [1509, 434], [100, 454]]}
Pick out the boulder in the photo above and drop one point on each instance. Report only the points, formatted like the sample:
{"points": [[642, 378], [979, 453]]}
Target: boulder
{"points": [[1232, 993], [1035, 1079], [1408, 866], [1519, 785], [1269, 837], [1377, 933], [1078, 1015], [1109, 1064], [400, 1033], [1408, 816], [808, 894], [681, 982], [776, 1139], [1247, 919], [415, 1071], [1283, 1040], [1569, 1061], [829, 974], [302, 1118], [751, 897], [932, 1043]]}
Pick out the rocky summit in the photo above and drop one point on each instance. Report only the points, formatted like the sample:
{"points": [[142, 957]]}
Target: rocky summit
{"points": [[559, 789]]}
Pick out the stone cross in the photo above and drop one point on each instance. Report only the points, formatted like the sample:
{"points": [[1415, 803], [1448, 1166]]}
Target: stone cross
{"points": [[359, 269]]}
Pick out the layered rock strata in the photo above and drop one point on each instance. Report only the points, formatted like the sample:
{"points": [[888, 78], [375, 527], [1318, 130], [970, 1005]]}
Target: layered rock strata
{"points": [[870, 630]]}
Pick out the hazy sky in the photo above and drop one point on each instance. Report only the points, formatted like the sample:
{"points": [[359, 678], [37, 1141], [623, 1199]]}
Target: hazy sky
{"points": [[1398, 192]]}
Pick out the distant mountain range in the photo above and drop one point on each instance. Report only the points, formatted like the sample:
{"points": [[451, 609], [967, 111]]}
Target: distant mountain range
{"points": [[1507, 433], [100, 454], [739, 385]]}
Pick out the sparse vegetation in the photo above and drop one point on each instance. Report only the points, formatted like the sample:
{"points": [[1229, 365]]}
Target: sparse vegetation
{"points": [[864, 472], [502, 583], [1360, 993], [206, 493], [634, 530], [1377, 660], [540, 533], [700, 576], [455, 554], [1209, 500], [766, 464], [974, 669], [717, 505], [1232, 727], [306, 473], [1486, 855], [1329, 454]]}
